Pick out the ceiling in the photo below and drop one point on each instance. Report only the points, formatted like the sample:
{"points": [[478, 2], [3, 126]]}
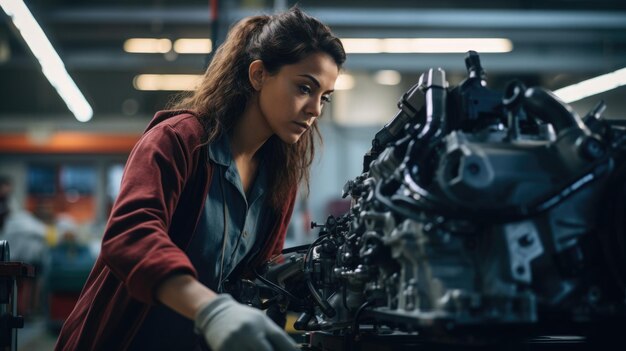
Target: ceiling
{"points": [[556, 43]]}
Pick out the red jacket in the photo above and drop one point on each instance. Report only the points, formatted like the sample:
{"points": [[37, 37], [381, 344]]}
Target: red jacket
{"points": [[164, 187]]}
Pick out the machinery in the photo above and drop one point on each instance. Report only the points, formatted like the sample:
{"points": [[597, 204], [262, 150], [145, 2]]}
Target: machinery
{"points": [[10, 321], [480, 218]]}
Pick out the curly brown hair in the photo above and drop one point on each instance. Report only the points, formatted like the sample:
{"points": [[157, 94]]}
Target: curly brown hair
{"points": [[225, 90]]}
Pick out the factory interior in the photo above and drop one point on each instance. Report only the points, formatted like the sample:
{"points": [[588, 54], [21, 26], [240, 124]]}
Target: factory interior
{"points": [[81, 80]]}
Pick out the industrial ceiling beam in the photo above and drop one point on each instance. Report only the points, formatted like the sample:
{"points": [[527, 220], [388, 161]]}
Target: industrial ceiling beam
{"points": [[360, 17]]}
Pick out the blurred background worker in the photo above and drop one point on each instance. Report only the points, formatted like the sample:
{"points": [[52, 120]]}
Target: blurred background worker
{"points": [[71, 260], [26, 237]]}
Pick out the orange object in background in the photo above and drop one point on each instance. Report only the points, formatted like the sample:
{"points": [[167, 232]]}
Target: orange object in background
{"points": [[68, 143], [81, 208]]}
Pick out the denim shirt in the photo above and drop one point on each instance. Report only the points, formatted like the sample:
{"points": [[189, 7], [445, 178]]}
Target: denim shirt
{"points": [[246, 219], [247, 224]]}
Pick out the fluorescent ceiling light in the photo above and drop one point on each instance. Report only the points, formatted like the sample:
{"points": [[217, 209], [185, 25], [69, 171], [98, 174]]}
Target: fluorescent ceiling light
{"points": [[193, 46], [147, 45], [362, 45], [50, 62], [387, 77], [592, 86], [344, 82], [168, 82], [164, 45], [177, 82], [351, 45], [426, 45]]}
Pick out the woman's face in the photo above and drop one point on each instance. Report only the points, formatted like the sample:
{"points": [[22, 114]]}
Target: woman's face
{"points": [[293, 98]]}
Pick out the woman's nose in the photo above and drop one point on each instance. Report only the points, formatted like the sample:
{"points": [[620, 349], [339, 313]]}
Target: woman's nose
{"points": [[314, 107]]}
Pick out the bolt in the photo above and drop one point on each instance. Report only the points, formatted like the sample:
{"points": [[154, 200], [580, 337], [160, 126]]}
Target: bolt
{"points": [[526, 240]]}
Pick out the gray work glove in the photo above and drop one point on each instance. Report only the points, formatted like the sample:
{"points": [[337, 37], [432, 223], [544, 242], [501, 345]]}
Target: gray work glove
{"points": [[228, 325]]}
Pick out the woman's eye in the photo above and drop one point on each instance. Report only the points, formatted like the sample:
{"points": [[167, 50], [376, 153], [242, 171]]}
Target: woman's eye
{"points": [[326, 99], [305, 89]]}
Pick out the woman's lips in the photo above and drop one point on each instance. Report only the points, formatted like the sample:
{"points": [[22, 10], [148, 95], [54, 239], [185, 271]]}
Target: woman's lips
{"points": [[302, 125]]}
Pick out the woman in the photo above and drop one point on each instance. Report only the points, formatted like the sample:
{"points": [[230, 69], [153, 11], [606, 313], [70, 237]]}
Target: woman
{"points": [[208, 191]]}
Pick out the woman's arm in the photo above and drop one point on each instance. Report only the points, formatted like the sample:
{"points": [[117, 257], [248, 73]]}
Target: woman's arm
{"points": [[184, 294], [137, 246]]}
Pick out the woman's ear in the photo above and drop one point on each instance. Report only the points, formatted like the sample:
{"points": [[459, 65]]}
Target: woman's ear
{"points": [[256, 72]]}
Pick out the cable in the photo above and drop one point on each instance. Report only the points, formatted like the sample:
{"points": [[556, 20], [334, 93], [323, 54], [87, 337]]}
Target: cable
{"points": [[357, 315], [324, 306], [295, 248], [309, 252], [277, 288]]}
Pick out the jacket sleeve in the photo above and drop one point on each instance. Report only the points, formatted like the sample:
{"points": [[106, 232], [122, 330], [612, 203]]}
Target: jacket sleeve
{"points": [[136, 245]]}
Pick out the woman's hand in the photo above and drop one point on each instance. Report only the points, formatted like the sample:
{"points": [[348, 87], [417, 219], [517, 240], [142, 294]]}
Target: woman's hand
{"points": [[225, 324], [229, 325]]}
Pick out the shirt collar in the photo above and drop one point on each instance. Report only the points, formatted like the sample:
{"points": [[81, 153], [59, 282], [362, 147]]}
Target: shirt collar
{"points": [[220, 153], [219, 150]]}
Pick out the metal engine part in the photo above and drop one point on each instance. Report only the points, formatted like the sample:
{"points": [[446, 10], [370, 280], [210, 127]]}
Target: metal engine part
{"points": [[477, 213]]}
